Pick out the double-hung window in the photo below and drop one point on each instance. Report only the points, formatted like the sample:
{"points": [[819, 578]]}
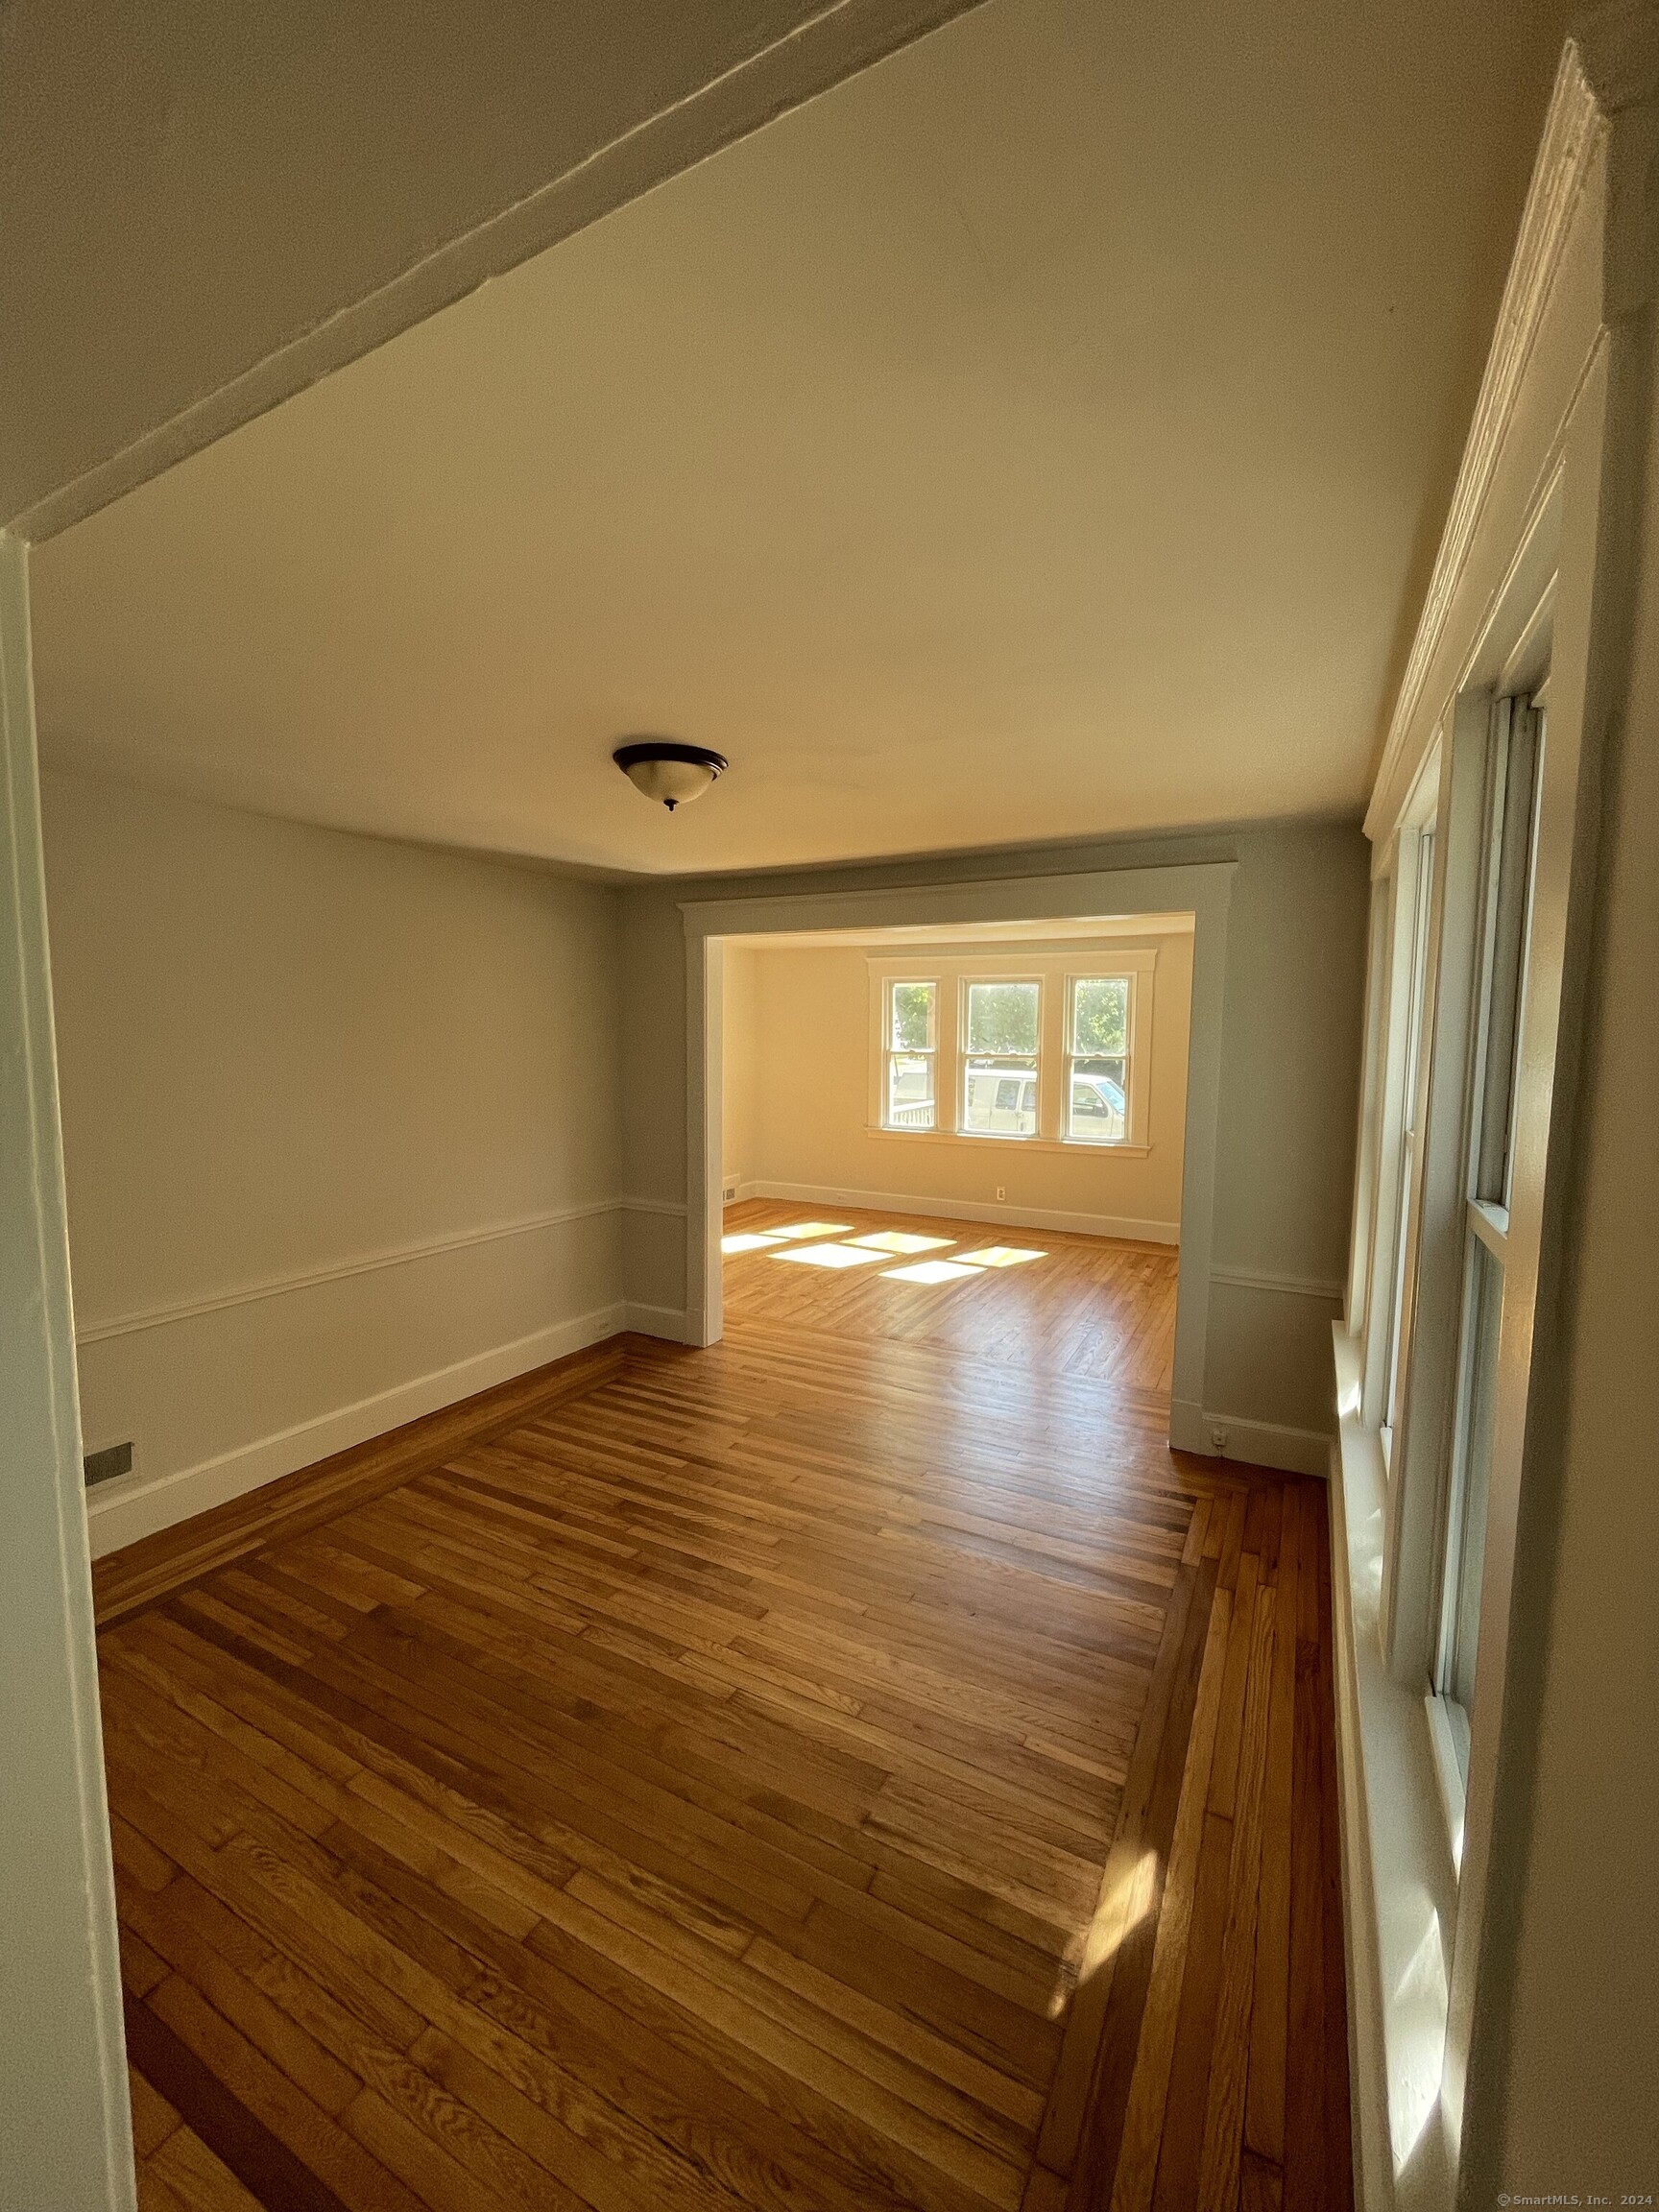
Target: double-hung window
{"points": [[910, 1054], [1049, 1047], [1001, 1024], [1510, 825], [1097, 1059]]}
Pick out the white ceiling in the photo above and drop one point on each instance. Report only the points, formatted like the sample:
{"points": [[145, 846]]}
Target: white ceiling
{"points": [[1042, 434]]}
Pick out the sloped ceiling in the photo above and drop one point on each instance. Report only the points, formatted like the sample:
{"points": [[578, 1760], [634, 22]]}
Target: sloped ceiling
{"points": [[1042, 434]]}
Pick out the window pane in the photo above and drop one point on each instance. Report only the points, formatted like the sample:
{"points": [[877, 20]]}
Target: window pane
{"points": [[1514, 804], [1000, 1096], [1466, 1533], [1417, 1014], [912, 1016], [1003, 1017], [1100, 1104], [1101, 1014], [909, 1090]]}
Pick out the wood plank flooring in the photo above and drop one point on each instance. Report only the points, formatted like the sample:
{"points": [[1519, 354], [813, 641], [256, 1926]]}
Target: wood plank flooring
{"points": [[855, 1766], [1084, 1306]]}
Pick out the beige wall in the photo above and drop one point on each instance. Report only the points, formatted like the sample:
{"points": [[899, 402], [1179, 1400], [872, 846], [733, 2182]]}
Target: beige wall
{"points": [[289, 1057], [798, 1048], [739, 1098], [1288, 1091]]}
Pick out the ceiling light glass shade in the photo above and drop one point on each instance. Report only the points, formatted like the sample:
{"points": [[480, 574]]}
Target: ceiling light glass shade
{"points": [[667, 771]]}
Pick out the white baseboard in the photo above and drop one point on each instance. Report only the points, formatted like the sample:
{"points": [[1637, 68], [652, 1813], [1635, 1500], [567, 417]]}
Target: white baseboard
{"points": [[1260, 1443], [666, 1321], [122, 1511], [969, 1210]]}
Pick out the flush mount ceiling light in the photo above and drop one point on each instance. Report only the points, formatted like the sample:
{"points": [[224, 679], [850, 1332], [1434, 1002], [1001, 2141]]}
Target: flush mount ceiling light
{"points": [[667, 771]]}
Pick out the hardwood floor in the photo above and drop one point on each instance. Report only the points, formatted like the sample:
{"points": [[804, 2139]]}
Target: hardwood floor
{"points": [[1082, 1306], [854, 1765]]}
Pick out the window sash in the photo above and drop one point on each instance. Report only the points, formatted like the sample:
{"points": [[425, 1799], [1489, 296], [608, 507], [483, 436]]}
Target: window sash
{"points": [[902, 1064], [1069, 1132], [1512, 807], [1509, 843], [1411, 1105], [1464, 1538], [987, 1078], [986, 1107]]}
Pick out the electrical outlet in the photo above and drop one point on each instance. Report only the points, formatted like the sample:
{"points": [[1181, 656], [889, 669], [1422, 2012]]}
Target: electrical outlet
{"points": [[1002, 1192], [731, 1191], [1218, 1438]]}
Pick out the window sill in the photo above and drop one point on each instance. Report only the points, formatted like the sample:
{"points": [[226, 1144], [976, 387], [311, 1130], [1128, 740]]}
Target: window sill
{"points": [[1448, 1771], [1400, 1884], [1075, 1146]]}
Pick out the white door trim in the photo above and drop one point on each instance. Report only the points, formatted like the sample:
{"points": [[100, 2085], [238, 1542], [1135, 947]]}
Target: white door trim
{"points": [[1203, 890], [67, 2142]]}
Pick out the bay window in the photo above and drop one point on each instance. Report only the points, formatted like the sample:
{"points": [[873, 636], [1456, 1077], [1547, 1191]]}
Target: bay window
{"points": [[1050, 1049]]}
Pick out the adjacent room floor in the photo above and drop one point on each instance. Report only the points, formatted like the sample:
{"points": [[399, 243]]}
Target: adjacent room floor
{"points": [[857, 1765]]}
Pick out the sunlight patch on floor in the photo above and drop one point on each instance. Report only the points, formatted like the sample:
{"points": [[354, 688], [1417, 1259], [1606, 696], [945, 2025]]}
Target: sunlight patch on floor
{"points": [[1123, 1904], [900, 1241], [829, 1256], [788, 1241]]}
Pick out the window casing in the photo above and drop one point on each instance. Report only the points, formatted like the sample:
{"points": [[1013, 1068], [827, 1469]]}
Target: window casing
{"points": [[1448, 1047], [1051, 1051]]}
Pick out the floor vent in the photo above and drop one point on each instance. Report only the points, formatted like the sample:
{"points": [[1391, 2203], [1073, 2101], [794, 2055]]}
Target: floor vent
{"points": [[104, 1466]]}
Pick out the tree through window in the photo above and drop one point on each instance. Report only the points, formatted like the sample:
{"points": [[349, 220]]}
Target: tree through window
{"points": [[1097, 1060], [999, 1061], [909, 1095]]}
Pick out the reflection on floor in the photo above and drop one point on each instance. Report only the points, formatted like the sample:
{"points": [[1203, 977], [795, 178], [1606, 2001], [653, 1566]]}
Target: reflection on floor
{"points": [[857, 1765]]}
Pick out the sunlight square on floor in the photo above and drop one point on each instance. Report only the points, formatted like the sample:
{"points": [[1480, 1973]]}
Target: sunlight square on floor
{"points": [[796, 1230], [749, 1244], [900, 1241], [1000, 1256], [829, 1256], [928, 1271]]}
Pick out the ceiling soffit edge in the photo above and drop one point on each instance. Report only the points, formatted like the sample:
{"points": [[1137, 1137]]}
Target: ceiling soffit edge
{"points": [[841, 40], [1576, 134]]}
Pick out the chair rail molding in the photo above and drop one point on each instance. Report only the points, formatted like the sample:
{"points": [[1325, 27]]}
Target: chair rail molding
{"points": [[160, 1316]]}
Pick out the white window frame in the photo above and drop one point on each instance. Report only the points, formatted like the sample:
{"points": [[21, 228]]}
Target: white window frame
{"points": [[1070, 1055], [1057, 969], [1439, 1841], [1042, 1073], [1408, 943], [1500, 996], [888, 1052]]}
